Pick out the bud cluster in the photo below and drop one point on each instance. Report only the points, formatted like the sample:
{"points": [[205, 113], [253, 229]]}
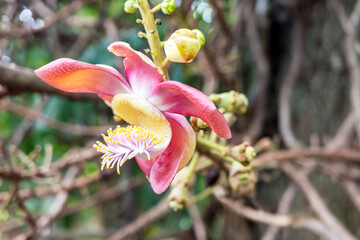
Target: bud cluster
{"points": [[198, 124], [232, 101], [243, 153], [168, 6], [241, 178], [179, 196]]}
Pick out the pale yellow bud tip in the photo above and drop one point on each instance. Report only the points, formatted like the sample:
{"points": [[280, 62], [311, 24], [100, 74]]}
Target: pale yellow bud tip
{"points": [[183, 45]]}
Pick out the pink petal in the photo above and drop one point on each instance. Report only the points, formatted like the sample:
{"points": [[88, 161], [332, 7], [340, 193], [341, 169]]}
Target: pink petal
{"points": [[74, 76], [175, 97], [141, 72], [146, 165], [176, 156]]}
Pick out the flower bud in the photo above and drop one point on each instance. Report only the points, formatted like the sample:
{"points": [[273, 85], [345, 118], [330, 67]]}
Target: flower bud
{"points": [[179, 197], [198, 124], [242, 179], [243, 153], [250, 153], [183, 45], [168, 6], [231, 101], [130, 6]]}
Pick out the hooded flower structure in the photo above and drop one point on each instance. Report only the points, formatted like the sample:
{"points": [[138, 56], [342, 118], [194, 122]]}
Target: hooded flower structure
{"points": [[161, 140]]}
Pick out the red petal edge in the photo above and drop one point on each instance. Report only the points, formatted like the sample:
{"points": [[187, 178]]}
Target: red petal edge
{"points": [[176, 97], [74, 76]]}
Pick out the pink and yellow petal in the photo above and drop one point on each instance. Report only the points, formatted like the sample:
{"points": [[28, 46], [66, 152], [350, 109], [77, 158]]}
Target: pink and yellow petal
{"points": [[141, 72], [175, 157], [74, 76], [175, 97]]}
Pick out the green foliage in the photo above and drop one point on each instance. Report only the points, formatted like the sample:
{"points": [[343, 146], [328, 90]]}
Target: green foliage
{"points": [[88, 11], [37, 56], [8, 123], [116, 8]]}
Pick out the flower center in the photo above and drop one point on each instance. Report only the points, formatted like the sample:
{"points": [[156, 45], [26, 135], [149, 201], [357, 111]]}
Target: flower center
{"points": [[122, 144], [139, 112]]}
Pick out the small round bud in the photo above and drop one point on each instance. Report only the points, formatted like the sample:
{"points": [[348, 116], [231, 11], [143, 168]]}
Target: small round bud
{"points": [[198, 124], [182, 46], [168, 6], [250, 153], [231, 101], [130, 6], [244, 153], [200, 36]]}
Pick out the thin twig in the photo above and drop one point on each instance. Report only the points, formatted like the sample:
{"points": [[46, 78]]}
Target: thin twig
{"points": [[105, 195], [343, 134], [317, 203], [198, 223], [35, 115], [60, 15], [142, 221], [259, 216], [283, 208], [74, 156], [288, 84], [263, 68], [350, 25]]}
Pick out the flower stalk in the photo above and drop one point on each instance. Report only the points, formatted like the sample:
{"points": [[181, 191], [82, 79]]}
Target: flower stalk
{"points": [[192, 165], [213, 145], [152, 35], [156, 8]]}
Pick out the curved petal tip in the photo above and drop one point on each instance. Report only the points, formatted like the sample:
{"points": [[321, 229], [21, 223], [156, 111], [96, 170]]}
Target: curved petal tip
{"points": [[74, 76], [141, 72]]}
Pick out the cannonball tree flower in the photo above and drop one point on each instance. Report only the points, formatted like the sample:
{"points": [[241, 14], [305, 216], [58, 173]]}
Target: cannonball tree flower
{"points": [[158, 136]]}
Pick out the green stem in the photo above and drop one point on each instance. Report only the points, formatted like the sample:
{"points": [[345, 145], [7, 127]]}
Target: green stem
{"points": [[152, 35], [201, 196], [165, 62], [212, 145], [192, 165], [222, 157], [156, 8]]}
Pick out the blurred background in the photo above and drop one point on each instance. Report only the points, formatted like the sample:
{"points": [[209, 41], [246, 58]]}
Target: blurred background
{"points": [[295, 60]]}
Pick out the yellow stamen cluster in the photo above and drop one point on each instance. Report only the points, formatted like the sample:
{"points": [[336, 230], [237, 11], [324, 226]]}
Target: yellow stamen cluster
{"points": [[122, 144]]}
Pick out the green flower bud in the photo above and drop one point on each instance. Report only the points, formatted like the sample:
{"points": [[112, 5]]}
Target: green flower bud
{"points": [[241, 179], [182, 46], [250, 153], [179, 197], [231, 101], [130, 6], [198, 124], [243, 153], [168, 6]]}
